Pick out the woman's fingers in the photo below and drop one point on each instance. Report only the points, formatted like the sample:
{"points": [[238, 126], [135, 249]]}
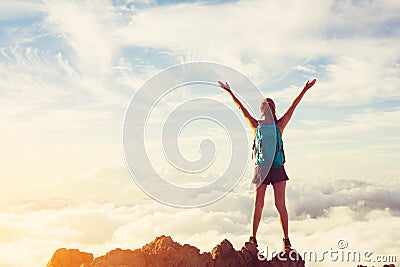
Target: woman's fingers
{"points": [[221, 84], [310, 84], [224, 85]]}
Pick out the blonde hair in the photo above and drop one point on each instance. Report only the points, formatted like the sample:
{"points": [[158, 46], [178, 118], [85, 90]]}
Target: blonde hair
{"points": [[271, 105]]}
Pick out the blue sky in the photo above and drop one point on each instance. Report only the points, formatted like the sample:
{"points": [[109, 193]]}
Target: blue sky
{"points": [[69, 69]]}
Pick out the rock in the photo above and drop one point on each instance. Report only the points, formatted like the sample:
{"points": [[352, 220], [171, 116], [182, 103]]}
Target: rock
{"points": [[70, 258], [289, 258], [225, 255], [119, 257], [163, 251], [250, 254]]}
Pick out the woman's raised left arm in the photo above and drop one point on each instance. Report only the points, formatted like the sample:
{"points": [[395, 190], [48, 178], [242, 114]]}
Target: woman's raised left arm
{"points": [[283, 121]]}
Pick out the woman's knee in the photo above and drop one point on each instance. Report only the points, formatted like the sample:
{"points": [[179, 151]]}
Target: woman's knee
{"points": [[280, 205]]}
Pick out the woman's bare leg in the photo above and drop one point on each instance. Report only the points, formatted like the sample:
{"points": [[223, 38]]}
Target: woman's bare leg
{"points": [[280, 195], [258, 207]]}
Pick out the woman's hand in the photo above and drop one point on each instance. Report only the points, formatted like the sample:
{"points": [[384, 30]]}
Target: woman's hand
{"points": [[224, 86], [309, 84], [283, 121], [250, 120]]}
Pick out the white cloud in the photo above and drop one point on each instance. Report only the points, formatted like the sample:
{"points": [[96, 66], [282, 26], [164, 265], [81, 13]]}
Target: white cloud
{"points": [[359, 79], [125, 217], [352, 74], [95, 35], [18, 10], [306, 69], [355, 124], [87, 28], [363, 17], [39, 233], [212, 34]]}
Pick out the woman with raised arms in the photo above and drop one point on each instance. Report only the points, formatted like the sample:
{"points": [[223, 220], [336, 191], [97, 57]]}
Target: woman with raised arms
{"points": [[269, 171]]}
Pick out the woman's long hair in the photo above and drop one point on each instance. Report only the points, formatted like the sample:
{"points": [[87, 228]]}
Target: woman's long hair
{"points": [[271, 105]]}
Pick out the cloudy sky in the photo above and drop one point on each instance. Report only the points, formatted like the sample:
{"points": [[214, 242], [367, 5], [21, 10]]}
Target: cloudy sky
{"points": [[69, 70]]}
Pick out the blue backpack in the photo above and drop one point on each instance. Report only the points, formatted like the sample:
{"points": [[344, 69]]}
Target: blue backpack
{"points": [[268, 137]]}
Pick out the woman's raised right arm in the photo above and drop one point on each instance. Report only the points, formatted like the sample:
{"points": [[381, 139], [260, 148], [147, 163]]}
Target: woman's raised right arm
{"points": [[250, 120]]}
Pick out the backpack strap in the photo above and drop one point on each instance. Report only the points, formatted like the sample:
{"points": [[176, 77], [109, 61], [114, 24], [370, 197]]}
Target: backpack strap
{"points": [[253, 148]]}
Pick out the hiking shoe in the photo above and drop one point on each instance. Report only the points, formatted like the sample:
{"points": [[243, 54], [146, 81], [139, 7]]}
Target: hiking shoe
{"points": [[286, 244], [253, 240]]}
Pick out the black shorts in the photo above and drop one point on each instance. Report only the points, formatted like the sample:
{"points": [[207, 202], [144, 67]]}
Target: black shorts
{"points": [[276, 175]]}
